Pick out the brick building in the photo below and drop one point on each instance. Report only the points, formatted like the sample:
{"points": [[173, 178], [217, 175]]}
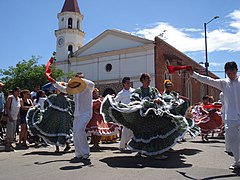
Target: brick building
{"points": [[166, 54]]}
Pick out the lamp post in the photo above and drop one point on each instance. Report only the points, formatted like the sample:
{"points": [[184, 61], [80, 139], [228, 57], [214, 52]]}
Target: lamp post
{"points": [[206, 55]]}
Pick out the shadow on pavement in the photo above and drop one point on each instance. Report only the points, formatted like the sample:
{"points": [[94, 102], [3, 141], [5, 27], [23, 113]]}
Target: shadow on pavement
{"points": [[175, 160], [225, 176], [47, 153], [102, 148], [79, 165], [207, 142], [83, 164], [48, 162]]}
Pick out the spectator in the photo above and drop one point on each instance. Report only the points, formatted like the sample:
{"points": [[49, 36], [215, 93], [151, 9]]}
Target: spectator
{"points": [[26, 104], [12, 108]]}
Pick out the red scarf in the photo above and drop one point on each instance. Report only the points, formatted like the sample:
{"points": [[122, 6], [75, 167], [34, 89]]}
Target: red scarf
{"points": [[172, 69], [48, 70], [212, 106]]}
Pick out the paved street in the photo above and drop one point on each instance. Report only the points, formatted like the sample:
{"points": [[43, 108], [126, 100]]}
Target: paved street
{"points": [[190, 160]]}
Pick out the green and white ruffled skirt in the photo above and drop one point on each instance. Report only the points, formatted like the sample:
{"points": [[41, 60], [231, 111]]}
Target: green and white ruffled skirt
{"points": [[155, 130]]}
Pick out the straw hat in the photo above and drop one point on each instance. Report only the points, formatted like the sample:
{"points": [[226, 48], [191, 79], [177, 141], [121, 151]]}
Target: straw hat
{"points": [[167, 83], [76, 85], [1, 84]]}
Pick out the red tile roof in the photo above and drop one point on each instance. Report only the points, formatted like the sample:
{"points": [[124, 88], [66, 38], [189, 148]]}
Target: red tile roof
{"points": [[71, 5]]}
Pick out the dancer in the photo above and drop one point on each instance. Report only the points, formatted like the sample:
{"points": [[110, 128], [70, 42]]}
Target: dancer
{"points": [[155, 129], [179, 104], [207, 117], [54, 123], [124, 97], [230, 87], [81, 89], [96, 126]]}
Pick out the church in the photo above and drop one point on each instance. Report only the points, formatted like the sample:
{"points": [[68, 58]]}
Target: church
{"points": [[115, 54]]}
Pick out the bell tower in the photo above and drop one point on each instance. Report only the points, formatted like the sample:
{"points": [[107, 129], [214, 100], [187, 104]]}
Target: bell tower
{"points": [[69, 35]]}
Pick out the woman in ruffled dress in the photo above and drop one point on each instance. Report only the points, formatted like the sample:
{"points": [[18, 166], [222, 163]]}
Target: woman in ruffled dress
{"points": [[155, 129], [207, 117], [179, 105], [54, 123], [96, 126]]}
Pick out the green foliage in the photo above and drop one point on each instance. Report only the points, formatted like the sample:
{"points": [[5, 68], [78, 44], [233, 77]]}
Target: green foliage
{"points": [[27, 74]]}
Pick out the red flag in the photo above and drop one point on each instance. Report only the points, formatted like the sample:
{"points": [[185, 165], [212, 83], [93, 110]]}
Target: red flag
{"points": [[212, 106], [172, 69], [48, 70]]}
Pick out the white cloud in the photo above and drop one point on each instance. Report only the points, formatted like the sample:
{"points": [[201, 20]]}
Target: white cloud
{"points": [[216, 64], [193, 30], [235, 15], [189, 40]]}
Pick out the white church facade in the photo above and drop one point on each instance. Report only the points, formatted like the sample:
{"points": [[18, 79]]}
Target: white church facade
{"points": [[115, 54]]}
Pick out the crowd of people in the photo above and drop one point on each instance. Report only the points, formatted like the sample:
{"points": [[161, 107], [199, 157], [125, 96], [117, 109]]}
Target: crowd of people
{"points": [[146, 121]]}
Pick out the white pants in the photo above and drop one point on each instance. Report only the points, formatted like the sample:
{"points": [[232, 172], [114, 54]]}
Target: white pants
{"points": [[80, 135], [227, 145], [127, 134], [11, 130], [232, 129]]}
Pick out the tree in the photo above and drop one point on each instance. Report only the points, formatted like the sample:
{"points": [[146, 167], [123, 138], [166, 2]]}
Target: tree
{"points": [[28, 74]]}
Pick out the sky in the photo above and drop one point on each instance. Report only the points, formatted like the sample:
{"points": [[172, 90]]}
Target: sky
{"points": [[27, 27]]}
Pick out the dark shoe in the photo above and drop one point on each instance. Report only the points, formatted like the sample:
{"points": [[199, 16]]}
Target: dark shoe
{"points": [[57, 149], [67, 148], [229, 153], [25, 146], [76, 160], [80, 159], [8, 149], [95, 149]]}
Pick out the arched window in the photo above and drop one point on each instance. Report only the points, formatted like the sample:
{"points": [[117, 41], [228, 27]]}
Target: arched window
{"points": [[70, 23], [78, 24], [70, 50]]}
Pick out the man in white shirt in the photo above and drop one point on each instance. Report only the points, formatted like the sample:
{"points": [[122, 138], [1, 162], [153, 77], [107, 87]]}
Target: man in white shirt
{"points": [[231, 90], [82, 115], [124, 97]]}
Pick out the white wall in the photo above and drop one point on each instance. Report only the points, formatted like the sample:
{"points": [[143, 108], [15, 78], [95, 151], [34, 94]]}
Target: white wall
{"points": [[131, 64], [111, 43]]}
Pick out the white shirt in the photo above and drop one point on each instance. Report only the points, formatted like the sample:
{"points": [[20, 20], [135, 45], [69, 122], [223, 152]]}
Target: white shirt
{"points": [[124, 96], [83, 100], [15, 107], [231, 91], [40, 102], [33, 94]]}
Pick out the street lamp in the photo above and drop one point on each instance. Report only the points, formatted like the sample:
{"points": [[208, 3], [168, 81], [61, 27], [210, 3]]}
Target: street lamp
{"points": [[205, 30]]}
